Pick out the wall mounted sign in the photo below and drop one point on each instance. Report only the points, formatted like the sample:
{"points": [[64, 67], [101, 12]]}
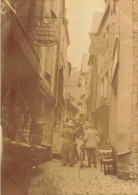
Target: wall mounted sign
{"points": [[43, 33]]}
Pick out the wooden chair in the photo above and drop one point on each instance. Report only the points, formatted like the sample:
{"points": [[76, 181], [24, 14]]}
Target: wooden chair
{"points": [[106, 161]]}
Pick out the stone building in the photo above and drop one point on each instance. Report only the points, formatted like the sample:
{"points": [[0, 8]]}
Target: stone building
{"points": [[114, 81], [74, 92], [53, 62], [84, 85], [33, 54], [134, 99], [99, 94], [44, 77], [64, 69]]}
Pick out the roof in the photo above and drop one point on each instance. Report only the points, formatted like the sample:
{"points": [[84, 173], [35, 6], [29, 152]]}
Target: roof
{"points": [[84, 64], [97, 17]]}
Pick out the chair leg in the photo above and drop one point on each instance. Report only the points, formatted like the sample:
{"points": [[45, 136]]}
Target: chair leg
{"points": [[104, 169], [108, 168]]}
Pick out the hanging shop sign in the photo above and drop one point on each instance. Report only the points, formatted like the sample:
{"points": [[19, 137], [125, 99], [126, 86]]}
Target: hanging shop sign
{"points": [[43, 33]]}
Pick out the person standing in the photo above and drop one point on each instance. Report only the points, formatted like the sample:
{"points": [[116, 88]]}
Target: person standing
{"points": [[67, 149], [90, 140], [79, 131]]}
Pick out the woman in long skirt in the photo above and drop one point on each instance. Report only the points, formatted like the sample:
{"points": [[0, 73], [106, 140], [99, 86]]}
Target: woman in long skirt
{"points": [[67, 150]]}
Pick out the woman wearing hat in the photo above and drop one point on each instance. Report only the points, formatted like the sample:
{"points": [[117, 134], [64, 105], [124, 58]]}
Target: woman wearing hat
{"points": [[67, 150]]}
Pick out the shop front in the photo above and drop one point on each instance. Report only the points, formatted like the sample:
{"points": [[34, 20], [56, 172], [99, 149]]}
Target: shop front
{"points": [[19, 81], [44, 120]]}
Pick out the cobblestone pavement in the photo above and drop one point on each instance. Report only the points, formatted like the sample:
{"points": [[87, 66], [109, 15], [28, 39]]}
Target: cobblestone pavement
{"points": [[53, 179]]}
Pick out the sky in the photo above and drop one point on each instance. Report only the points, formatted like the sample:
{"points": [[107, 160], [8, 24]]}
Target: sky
{"points": [[79, 13]]}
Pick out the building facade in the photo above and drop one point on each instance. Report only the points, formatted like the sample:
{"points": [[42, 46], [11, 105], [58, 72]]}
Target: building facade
{"points": [[74, 92], [84, 84], [18, 78], [64, 68], [34, 38], [48, 64], [114, 81], [99, 63]]}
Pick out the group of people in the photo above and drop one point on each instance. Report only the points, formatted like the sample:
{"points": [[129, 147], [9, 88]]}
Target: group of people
{"points": [[88, 135]]}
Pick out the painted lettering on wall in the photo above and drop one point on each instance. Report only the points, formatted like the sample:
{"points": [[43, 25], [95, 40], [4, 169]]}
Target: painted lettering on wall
{"points": [[42, 33]]}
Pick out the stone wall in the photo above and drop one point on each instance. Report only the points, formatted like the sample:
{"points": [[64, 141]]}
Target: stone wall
{"points": [[123, 98], [134, 108]]}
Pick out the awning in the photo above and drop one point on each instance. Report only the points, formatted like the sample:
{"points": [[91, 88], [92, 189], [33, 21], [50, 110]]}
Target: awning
{"points": [[73, 109], [45, 92], [102, 111]]}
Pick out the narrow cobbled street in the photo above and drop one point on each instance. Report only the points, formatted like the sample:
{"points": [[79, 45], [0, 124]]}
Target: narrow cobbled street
{"points": [[53, 179], [69, 91]]}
